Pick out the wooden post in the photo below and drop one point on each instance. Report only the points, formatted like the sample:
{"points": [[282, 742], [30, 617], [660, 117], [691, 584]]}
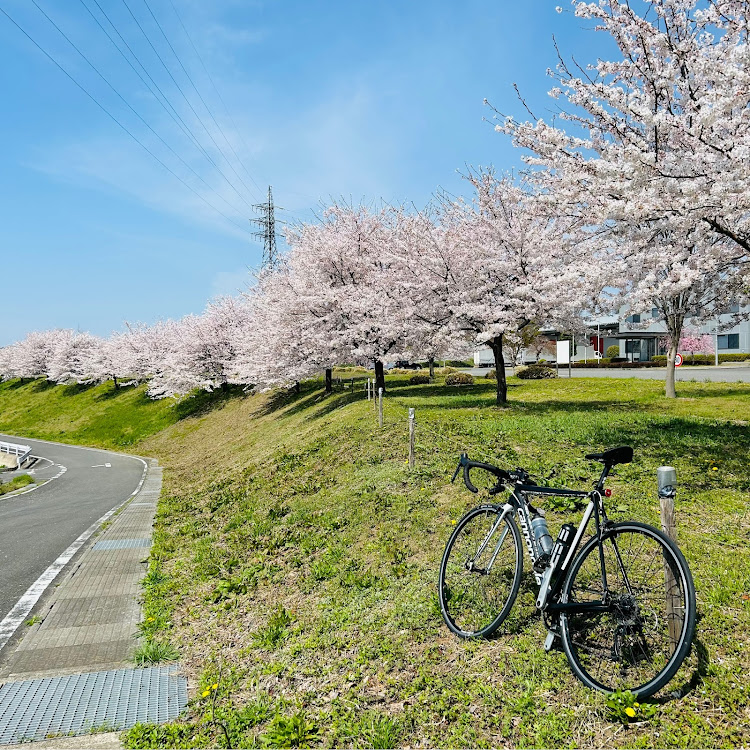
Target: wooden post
{"points": [[380, 407], [412, 425], [666, 478], [352, 385]]}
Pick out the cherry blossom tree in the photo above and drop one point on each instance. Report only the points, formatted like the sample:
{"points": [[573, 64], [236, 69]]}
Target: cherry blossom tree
{"points": [[72, 358], [512, 261], [345, 263], [652, 153]]}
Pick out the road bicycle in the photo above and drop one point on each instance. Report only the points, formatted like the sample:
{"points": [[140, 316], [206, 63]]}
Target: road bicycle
{"points": [[623, 605]]}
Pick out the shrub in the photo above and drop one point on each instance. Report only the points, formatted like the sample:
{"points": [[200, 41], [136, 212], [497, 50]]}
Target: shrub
{"points": [[536, 372], [447, 370], [459, 378], [613, 351], [419, 379], [491, 375]]}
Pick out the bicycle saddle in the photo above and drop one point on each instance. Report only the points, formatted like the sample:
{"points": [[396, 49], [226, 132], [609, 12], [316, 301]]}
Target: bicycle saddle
{"points": [[621, 455]]}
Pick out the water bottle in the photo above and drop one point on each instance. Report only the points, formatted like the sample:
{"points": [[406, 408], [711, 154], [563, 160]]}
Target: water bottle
{"points": [[559, 552], [541, 535]]}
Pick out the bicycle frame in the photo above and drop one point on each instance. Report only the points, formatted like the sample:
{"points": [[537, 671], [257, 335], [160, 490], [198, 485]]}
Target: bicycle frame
{"points": [[518, 505]]}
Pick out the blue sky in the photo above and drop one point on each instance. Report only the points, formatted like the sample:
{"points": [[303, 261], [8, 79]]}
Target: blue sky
{"points": [[324, 99]]}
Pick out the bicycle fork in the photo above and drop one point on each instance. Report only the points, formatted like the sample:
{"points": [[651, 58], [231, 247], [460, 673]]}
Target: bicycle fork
{"points": [[480, 550]]}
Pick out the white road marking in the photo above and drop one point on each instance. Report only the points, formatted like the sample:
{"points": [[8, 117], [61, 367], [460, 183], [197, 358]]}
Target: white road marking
{"points": [[96, 466]]}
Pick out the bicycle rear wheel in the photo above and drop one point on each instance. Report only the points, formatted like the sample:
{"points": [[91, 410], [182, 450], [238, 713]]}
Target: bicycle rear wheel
{"points": [[640, 641], [480, 572]]}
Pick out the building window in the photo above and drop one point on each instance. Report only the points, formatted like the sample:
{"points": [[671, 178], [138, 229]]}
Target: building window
{"points": [[636, 318], [632, 346], [729, 341], [735, 308], [655, 313]]}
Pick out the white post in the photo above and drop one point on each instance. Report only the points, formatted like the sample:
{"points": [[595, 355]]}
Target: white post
{"points": [[380, 407], [367, 388], [412, 422]]}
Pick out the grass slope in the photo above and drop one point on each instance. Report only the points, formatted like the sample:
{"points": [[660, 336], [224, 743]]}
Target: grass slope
{"points": [[100, 415], [296, 555]]}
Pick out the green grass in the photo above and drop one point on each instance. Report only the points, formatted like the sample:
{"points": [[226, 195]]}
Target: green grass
{"points": [[98, 415], [22, 480], [295, 558]]}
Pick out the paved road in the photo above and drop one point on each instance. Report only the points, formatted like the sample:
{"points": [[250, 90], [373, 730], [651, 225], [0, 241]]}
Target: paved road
{"points": [[721, 374], [37, 527]]}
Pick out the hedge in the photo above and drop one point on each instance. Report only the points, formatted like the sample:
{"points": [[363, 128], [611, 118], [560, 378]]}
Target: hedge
{"points": [[704, 359]]}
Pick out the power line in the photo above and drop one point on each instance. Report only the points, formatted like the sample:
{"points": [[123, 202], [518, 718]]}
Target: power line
{"points": [[127, 104], [187, 101], [203, 101], [113, 118], [218, 94], [161, 98]]}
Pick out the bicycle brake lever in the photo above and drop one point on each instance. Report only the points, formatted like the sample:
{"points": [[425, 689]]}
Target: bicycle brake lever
{"points": [[461, 461]]}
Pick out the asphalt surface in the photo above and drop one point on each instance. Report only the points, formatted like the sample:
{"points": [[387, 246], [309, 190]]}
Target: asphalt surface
{"points": [[38, 526], [723, 374]]}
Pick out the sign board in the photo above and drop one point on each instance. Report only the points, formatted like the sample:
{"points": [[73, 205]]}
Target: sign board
{"points": [[677, 360], [563, 352]]}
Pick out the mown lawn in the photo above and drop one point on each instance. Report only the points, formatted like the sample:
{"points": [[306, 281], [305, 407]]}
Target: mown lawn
{"points": [[296, 556]]}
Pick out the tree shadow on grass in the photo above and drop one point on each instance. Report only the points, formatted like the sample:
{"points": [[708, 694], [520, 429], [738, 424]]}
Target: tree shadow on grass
{"points": [[73, 389], [203, 402], [37, 386]]}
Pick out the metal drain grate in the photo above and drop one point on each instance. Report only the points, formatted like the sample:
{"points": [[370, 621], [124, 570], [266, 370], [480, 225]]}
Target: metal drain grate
{"points": [[76, 704], [121, 544]]}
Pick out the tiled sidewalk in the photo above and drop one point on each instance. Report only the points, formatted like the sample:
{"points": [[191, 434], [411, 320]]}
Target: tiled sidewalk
{"points": [[88, 626], [90, 619]]}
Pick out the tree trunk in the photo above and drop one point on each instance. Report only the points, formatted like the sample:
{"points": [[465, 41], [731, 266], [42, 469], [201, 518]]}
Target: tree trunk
{"points": [[669, 390], [502, 386], [379, 376], [431, 361], [114, 379], [329, 380], [297, 388]]}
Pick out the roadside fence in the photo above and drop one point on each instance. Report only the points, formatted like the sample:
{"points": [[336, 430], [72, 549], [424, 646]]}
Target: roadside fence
{"points": [[21, 452]]}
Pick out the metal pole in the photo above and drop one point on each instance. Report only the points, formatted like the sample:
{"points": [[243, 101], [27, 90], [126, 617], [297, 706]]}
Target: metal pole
{"points": [[666, 479], [570, 357], [716, 343], [380, 407], [368, 389], [412, 424]]}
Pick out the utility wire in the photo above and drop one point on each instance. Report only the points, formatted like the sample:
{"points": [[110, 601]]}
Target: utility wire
{"points": [[182, 93], [127, 104], [203, 101], [165, 104], [218, 94], [114, 119]]}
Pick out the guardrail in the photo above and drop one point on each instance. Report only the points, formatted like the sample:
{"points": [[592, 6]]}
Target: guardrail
{"points": [[21, 452]]}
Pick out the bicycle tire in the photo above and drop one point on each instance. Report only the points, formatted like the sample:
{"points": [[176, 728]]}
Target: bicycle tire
{"points": [[641, 641], [475, 601]]}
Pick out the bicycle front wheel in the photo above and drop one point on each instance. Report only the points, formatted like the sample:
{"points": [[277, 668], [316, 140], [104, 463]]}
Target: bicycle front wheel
{"points": [[480, 572], [639, 637]]}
